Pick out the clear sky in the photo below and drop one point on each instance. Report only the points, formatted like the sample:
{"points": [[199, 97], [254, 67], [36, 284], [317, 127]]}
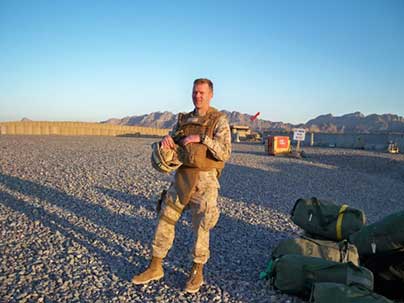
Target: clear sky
{"points": [[290, 60]]}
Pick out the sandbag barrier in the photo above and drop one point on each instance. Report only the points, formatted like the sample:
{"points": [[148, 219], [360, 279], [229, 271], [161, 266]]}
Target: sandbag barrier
{"points": [[77, 129]]}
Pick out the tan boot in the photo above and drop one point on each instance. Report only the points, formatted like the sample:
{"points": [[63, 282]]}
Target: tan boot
{"points": [[153, 272], [195, 280]]}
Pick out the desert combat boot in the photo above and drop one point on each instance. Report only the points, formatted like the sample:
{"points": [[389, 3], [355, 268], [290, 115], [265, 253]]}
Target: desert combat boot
{"points": [[195, 280], [153, 272]]}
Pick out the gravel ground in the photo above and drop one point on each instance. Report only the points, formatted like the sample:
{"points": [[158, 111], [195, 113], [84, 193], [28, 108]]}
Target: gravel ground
{"points": [[77, 217]]}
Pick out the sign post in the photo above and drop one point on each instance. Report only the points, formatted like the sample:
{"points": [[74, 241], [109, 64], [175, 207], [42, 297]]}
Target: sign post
{"points": [[299, 134]]}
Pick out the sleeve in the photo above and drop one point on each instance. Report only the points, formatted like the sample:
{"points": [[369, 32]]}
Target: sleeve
{"points": [[220, 144]]}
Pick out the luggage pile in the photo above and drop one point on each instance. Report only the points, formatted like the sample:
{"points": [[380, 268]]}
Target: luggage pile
{"points": [[381, 249], [339, 258]]}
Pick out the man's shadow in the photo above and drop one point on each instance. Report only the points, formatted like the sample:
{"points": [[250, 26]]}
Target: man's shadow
{"points": [[133, 228], [225, 248]]}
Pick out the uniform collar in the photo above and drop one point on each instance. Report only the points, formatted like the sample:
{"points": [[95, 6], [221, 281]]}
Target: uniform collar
{"points": [[195, 113]]}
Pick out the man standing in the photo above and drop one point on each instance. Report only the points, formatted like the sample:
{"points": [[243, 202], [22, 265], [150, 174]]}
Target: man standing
{"points": [[205, 143]]}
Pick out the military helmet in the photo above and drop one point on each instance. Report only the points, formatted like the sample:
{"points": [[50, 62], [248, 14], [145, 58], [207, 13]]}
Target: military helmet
{"points": [[164, 160]]}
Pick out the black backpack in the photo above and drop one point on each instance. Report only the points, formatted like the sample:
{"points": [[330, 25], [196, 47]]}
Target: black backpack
{"points": [[388, 272]]}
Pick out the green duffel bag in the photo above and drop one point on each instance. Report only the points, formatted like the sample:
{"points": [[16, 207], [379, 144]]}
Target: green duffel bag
{"points": [[340, 293], [295, 274], [342, 251], [326, 219], [380, 237]]}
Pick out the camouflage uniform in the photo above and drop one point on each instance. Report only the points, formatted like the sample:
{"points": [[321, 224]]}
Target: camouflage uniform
{"points": [[203, 202]]}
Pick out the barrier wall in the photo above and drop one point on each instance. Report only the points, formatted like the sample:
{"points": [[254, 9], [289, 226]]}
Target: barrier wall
{"points": [[358, 141], [77, 129], [361, 141]]}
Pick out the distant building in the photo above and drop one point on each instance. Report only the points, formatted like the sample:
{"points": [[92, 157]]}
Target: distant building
{"points": [[239, 132], [242, 130]]}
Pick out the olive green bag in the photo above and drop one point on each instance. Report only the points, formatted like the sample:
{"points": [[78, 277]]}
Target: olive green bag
{"points": [[380, 237], [340, 293], [333, 251], [295, 274], [326, 219]]}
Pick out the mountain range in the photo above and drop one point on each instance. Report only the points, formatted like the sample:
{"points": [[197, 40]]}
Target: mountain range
{"points": [[350, 123]]}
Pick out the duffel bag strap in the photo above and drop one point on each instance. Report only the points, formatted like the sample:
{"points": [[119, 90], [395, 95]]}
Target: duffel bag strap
{"points": [[344, 251], [339, 221], [267, 274]]}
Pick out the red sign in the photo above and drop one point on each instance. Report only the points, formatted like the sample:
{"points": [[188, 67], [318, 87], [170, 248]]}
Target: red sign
{"points": [[283, 142]]}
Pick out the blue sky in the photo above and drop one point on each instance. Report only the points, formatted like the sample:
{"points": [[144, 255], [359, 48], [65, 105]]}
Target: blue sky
{"points": [[290, 60]]}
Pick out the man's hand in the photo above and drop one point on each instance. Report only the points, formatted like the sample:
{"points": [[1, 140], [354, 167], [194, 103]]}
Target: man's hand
{"points": [[167, 142], [190, 139]]}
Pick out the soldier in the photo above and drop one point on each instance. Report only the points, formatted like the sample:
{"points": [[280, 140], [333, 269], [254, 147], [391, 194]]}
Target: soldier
{"points": [[204, 138]]}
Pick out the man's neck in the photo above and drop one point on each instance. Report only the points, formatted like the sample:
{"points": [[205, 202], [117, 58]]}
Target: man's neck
{"points": [[201, 111]]}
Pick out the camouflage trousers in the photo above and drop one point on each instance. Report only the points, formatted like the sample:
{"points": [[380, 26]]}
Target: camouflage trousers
{"points": [[205, 214]]}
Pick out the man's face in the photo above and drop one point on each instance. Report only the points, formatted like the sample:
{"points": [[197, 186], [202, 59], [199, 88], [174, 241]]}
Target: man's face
{"points": [[201, 96]]}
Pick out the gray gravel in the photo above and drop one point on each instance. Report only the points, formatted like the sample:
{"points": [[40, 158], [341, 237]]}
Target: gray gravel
{"points": [[77, 217]]}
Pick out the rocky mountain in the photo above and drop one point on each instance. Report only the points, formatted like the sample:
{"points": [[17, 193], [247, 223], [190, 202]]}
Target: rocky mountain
{"points": [[156, 119], [349, 123], [168, 120], [356, 123]]}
